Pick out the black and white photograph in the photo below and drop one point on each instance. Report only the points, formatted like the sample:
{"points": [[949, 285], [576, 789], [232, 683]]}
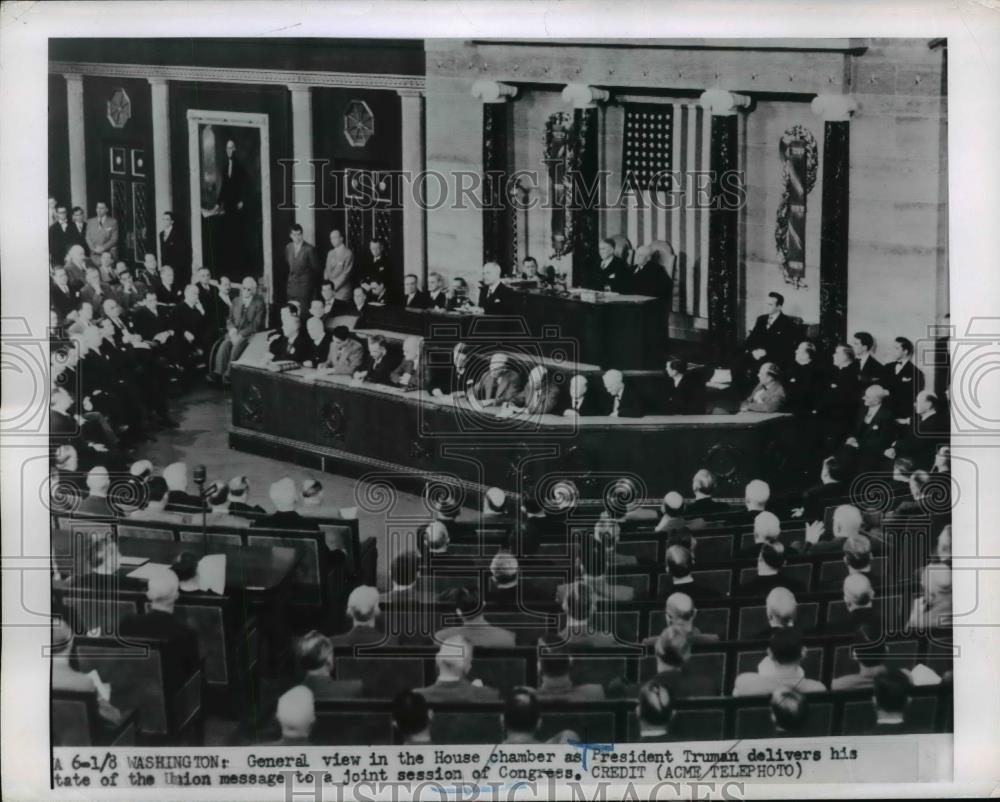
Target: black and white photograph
{"points": [[563, 412]]}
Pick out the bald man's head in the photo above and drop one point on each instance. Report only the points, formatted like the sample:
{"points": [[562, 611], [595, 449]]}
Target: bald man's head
{"points": [[296, 712], [454, 659], [766, 527], [858, 591], [163, 589], [436, 537], [680, 609], [781, 607], [847, 521]]}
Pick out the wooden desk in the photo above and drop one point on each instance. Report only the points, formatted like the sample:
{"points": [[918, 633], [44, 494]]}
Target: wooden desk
{"points": [[331, 424], [628, 332]]}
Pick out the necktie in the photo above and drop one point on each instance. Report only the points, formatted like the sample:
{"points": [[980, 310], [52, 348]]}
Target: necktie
{"points": [[614, 410], [230, 173], [577, 402]]}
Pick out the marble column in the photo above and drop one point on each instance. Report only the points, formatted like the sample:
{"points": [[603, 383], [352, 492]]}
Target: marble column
{"points": [[163, 191], [723, 220], [414, 210], [77, 146], [836, 111], [303, 175]]}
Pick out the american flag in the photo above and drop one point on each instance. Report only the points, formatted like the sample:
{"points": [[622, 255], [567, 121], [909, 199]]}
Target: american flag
{"points": [[674, 138]]}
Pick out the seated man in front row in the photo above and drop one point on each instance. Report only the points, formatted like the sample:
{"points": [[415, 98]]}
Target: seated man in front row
{"points": [[579, 402], [495, 297], [624, 401], [379, 366], [498, 386], [685, 390]]}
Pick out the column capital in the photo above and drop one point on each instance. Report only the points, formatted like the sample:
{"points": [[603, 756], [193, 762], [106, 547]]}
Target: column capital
{"points": [[418, 93], [72, 77], [722, 102], [583, 96], [834, 108], [157, 80], [299, 88], [493, 91]]}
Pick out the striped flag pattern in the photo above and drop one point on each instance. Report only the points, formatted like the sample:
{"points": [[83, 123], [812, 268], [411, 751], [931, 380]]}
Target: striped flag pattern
{"points": [[674, 137]]}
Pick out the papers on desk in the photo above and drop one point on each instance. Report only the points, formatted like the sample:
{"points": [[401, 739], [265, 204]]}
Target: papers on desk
{"points": [[922, 675], [103, 688], [148, 570], [130, 562], [211, 575], [721, 378]]}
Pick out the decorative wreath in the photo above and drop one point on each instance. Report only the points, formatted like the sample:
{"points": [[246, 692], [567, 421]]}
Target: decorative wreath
{"points": [[794, 134], [560, 148]]}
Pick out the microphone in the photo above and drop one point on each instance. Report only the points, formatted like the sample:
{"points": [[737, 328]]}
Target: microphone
{"points": [[200, 474]]}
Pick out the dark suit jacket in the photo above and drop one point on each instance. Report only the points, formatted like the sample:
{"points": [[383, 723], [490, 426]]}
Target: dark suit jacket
{"points": [[780, 340], [652, 279], [760, 586], [179, 501], [61, 241], [304, 273], [705, 508], [687, 397], [502, 301], [380, 373], [802, 384], [246, 510], [360, 636], [871, 372], [419, 300], [837, 398], [816, 499], [188, 318], [903, 387], [63, 302], [921, 439], [877, 435], [854, 621], [459, 691], [232, 186], [329, 688], [298, 350], [176, 252], [617, 276], [501, 385], [695, 590], [148, 325], [404, 367], [446, 378], [685, 684], [182, 654], [630, 405], [438, 300]]}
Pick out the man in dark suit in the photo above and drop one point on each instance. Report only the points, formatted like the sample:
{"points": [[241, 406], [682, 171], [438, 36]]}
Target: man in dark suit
{"points": [[540, 395], [858, 598], [858, 559], [622, 402], [444, 378], [500, 385], [181, 653], [315, 657], [77, 234], [890, 699], [292, 344], [376, 266], [178, 499], [870, 370], [191, 334], [60, 236], [837, 398], [495, 297], [927, 431], [62, 297], [902, 379], [454, 661], [831, 490], [609, 272], [554, 681], [580, 399], [175, 250], [651, 278], [673, 651], [378, 366], [685, 390], [679, 564], [304, 272], [875, 429], [802, 381], [654, 711], [774, 335], [769, 574], [704, 505], [284, 497], [363, 609], [239, 494], [847, 522], [503, 587], [437, 296], [413, 296]]}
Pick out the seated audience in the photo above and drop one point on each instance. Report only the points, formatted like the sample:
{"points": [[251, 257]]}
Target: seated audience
{"points": [[404, 574], [770, 563], [496, 504], [789, 712], [540, 395], [591, 562], [870, 370], [768, 395], [407, 374], [285, 497], [181, 653], [413, 296], [830, 491], [679, 564], [578, 401], [680, 613], [522, 720], [313, 505], [685, 390], [156, 511], [178, 499], [871, 657], [96, 501], [847, 522], [673, 672], [296, 715], [411, 718], [437, 297], [607, 533], [933, 609], [858, 599], [654, 710], [579, 631], [780, 669], [65, 677], [475, 629], [346, 354], [378, 368], [554, 681], [291, 344], [186, 568], [503, 585], [704, 505], [315, 657], [622, 402], [874, 430], [780, 608], [755, 497], [458, 295], [499, 385], [454, 661], [671, 513], [318, 342], [435, 538], [239, 492], [454, 378], [96, 291], [218, 509], [927, 432], [191, 329], [890, 699], [364, 611]]}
